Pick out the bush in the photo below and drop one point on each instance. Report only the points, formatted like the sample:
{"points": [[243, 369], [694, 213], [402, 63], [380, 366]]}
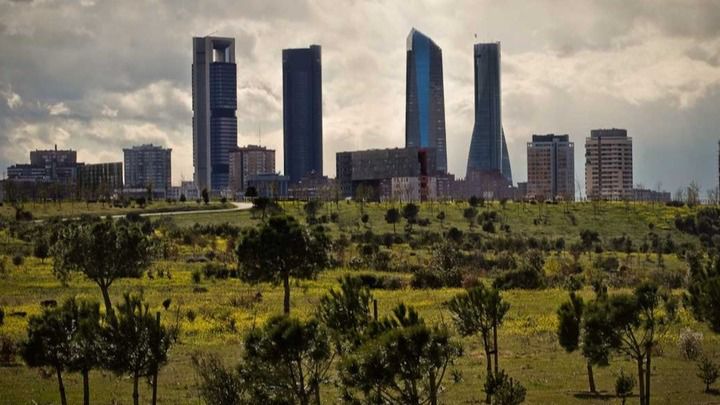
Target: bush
{"points": [[690, 344], [191, 315], [708, 371], [529, 276], [196, 276], [504, 390], [471, 281], [425, 280], [218, 271], [624, 384], [2, 316], [18, 260], [8, 350], [524, 278]]}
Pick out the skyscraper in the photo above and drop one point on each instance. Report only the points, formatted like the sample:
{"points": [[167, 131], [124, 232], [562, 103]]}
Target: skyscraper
{"points": [[302, 112], [551, 167], [214, 92], [424, 97], [488, 149]]}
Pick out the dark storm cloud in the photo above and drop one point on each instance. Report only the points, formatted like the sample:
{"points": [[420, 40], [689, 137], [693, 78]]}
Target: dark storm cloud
{"points": [[102, 75]]}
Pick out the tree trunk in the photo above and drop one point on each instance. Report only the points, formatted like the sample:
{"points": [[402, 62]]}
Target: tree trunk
{"points": [[317, 393], [154, 387], [286, 300], [61, 386], [647, 377], [136, 394], [641, 380], [86, 387], [433, 390], [488, 360], [495, 348], [591, 378], [106, 299]]}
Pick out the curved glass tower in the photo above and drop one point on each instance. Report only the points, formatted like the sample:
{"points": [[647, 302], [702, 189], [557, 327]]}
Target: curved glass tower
{"points": [[424, 97], [488, 149]]}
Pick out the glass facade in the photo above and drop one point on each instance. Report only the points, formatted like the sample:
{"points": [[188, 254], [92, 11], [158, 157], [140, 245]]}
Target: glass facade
{"points": [[302, 112], [488, 149], [424, 97], [214, 82]]}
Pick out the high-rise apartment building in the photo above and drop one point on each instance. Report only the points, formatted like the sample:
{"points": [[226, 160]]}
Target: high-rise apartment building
{"points": [[302, 112], [608, 165], [488, 149], [249, 161], [424, 97], [214, 92], [148, 166], [551, 167]]}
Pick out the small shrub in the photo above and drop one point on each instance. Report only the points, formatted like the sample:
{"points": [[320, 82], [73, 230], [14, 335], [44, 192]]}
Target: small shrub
{"points": [[2, 316], [471, 281], [708, 371], [196, 276], [190, 315], [690, 344], [504, 390], [18, 260], [425, 280], [624, 384], [8, 350]]}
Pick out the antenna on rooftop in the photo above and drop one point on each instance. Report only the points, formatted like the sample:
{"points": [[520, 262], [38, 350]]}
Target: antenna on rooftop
{"points": [[259, 135]]}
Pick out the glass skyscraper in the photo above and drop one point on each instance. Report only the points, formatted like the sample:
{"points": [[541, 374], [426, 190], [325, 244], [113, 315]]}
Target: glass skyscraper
{"points": [[424, 97], [302, 112], [214, 93], [488, 149]]}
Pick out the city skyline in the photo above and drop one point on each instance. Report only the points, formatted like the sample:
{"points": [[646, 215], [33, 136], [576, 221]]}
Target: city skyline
{"points": [[616, 68]]}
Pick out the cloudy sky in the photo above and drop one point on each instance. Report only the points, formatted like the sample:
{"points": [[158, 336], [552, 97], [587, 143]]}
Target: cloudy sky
{"points": [[98, 76]]}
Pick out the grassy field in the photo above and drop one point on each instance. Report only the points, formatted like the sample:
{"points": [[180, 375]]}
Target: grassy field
{"points": [[225, 310], [74, 209]]}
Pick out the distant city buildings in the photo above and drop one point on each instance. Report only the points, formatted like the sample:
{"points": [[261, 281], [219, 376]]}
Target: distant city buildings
{"points": [[608, 165], [52, 165], [647, 195], [424, 97], [551, 167], [271, 185], [488, 149], [249, 161], [302, 112], [369, 174], [100, 180], [214, 93], [148, 166]]}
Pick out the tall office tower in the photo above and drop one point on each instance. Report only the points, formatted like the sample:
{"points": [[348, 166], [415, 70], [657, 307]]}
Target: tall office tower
{"points": [[148, 166], [302, 112], [214, 92], [608, 164], [424, 97], [551, 167], [249, 161], [488, 149]]}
